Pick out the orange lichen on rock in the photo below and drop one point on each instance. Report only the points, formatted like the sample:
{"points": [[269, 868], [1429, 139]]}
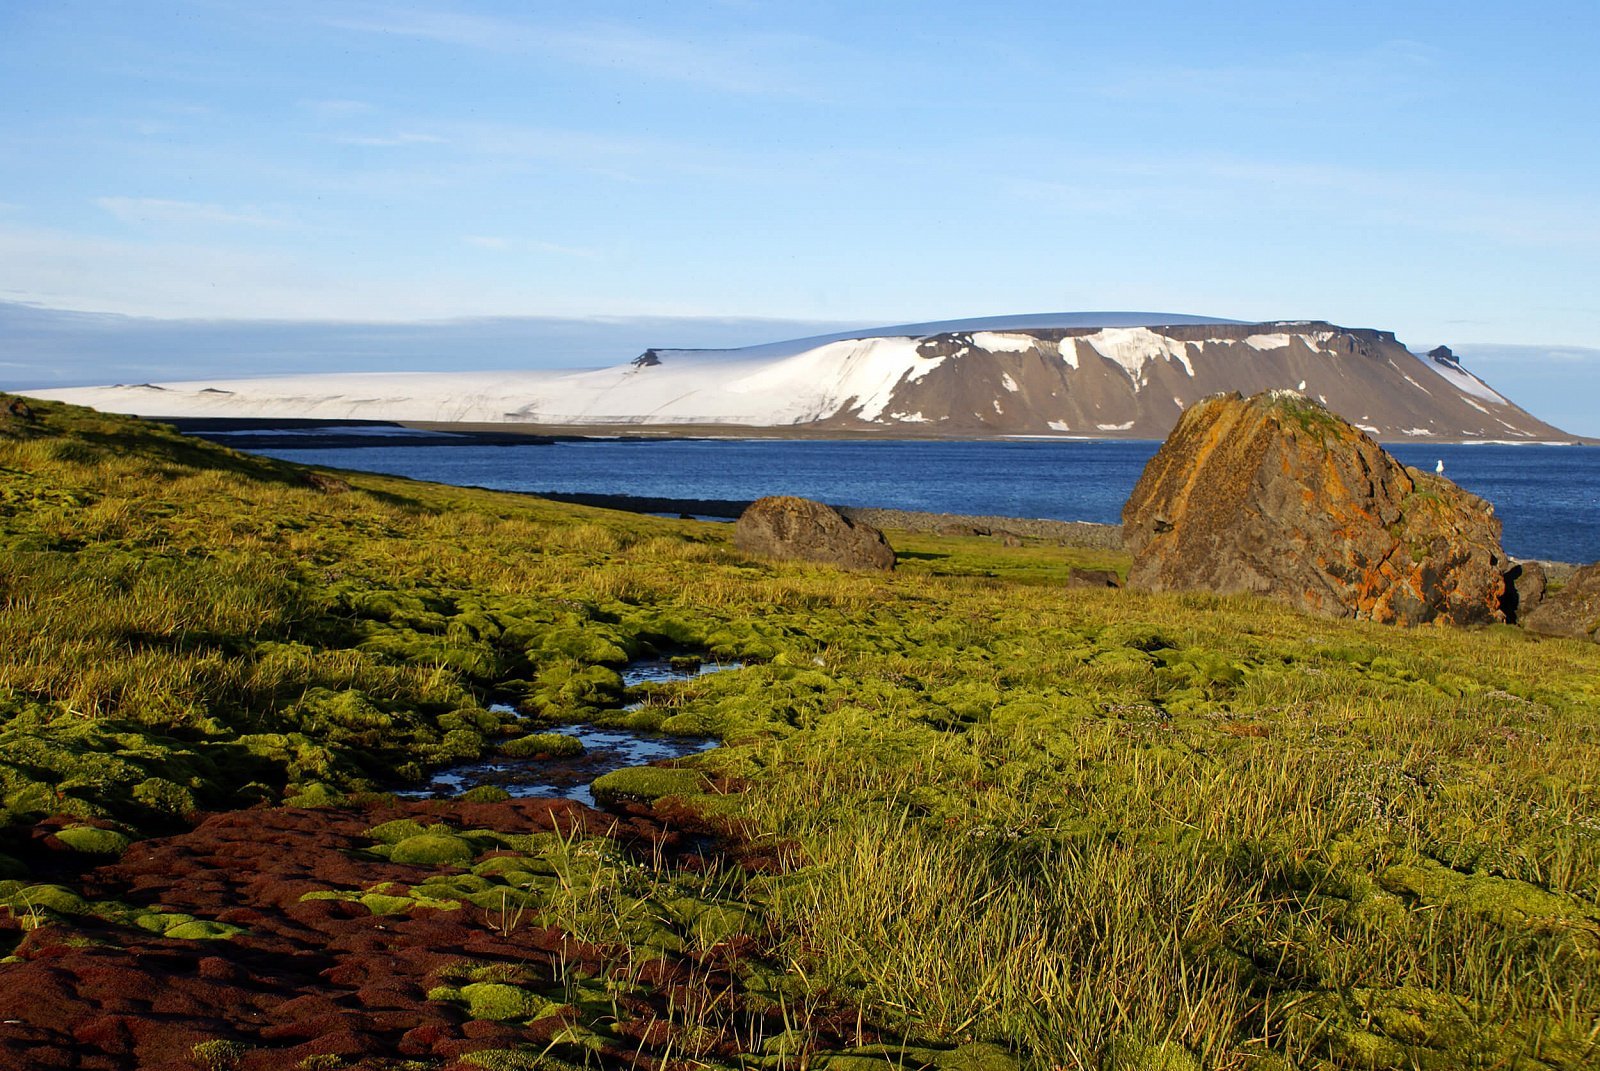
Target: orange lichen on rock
{"points": [[1276, 496]]}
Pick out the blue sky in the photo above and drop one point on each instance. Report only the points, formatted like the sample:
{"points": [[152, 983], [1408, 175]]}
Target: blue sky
{"points": [[1423, 167]]}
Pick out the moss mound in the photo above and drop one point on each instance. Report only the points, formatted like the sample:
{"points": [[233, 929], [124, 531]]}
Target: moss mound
{"points": [[203, 930], [500, 1002], [395, 831], [434, 849], [485, 794], [92, 840], [56, 898], [543, 746], [645, 784]]}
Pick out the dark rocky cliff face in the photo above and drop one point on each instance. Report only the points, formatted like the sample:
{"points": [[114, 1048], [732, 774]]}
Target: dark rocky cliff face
{"points": [[1275, 496], [1136, 383]]}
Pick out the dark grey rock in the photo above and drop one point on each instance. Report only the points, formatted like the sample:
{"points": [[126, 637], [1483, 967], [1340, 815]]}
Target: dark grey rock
{"points": [[782, 526], [1525, 587], [1573, 611], [1093, 578]]}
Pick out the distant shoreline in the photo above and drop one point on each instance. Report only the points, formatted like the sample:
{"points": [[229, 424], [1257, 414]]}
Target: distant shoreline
{"points": [[1070, 533], [252, 433], [434, 433]]}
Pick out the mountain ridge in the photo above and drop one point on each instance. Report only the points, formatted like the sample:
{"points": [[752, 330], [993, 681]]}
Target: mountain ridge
{"points": [[1098, 375]]}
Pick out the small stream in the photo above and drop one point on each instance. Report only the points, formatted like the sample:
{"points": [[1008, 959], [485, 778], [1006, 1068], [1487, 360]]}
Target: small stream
{"points": [[604, 749]]}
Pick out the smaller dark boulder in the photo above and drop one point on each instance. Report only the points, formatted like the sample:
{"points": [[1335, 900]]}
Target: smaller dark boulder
{"points": [[21, 410], [1572, 611], [782, 526], [328, 485], [1525, 584], [1093, 578]]}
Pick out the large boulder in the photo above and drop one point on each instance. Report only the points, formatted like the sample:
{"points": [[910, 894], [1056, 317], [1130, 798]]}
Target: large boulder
{"points": [[1276, 496], [781, 526], [1574, 610]]}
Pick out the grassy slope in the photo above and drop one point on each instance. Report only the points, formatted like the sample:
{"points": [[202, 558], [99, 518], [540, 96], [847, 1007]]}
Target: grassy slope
{"points": [[1100, 828]]}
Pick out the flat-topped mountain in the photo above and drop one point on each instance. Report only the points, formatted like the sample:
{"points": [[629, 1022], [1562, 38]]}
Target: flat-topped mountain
{"points": [[1127, 375]]}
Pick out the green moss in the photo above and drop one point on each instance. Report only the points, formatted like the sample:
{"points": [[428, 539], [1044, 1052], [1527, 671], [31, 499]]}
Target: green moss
{"points": [[457, 886], [710, 921], [420, 899], [164, 796], [645, 784], [322, 1061], [501, 1003], [393, 832], [57, 898], [385, 904], [542, 746], [433, 849], [161, 921], [92, 840], [219, 1055], [315, 795], [953, 770], [976, 1056], [204, 930], [517, 1060], [1159, 1056], [485, 794], [501, 897], [1501, 901]]}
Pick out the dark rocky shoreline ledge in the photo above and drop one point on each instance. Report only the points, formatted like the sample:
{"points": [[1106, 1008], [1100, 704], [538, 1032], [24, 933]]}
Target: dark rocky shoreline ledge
{"points": [[1069, 533]]}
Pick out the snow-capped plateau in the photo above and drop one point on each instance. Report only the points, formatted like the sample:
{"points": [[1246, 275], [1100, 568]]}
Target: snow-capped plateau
{"points": [[1126, 375]]}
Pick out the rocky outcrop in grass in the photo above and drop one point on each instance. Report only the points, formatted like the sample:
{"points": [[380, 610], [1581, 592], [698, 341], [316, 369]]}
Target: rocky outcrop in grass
{"points": [[1274, 495], [1572, 611], [781, 526]]}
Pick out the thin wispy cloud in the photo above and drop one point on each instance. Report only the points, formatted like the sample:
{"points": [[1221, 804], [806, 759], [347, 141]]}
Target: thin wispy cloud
{"points": [[399, 140], [1388, 71], [1406, 199], [232, 280], [160, 210], [336, 109], [1513, 355], [474, 152], [502, 244], [748, 63]]}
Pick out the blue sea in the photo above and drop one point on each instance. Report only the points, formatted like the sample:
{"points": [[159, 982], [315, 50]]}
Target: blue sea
{"points": [[1547, 496]]}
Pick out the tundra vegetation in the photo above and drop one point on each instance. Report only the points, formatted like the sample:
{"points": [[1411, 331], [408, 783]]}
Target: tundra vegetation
{"points": [[1005, 823]]}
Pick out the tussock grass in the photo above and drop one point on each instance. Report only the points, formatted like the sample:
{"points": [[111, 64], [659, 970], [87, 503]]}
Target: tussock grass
{"points": [[1097, 828]]}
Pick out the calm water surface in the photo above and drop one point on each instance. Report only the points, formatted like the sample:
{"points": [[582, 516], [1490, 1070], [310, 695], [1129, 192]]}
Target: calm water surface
{"points": [[1547, 496], [604, 750]]}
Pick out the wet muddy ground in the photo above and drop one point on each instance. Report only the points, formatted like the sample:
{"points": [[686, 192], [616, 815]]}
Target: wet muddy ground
{"points": [[604, 749], [314, 980]]}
